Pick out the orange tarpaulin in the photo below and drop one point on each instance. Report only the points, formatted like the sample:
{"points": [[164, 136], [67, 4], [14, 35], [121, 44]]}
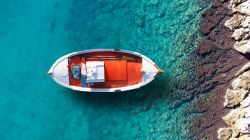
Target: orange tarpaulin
{"points": [[119, 72], [115, 70]]}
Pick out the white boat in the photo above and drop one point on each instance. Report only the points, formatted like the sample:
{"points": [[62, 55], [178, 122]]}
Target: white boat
{"points": [[104, 70]]}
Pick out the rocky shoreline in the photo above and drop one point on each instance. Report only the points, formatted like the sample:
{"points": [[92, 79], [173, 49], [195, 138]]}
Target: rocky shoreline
{"points": [[217, 66], [237, 97]]}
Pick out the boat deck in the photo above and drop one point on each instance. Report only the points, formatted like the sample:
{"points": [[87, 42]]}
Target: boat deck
{"points": [[120, 69]]}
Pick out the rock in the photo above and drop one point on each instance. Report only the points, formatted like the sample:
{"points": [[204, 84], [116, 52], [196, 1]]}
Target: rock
{"points": [[224, 133], [234, 115], [243, 125], [240, 34], [247, 33], [246, 103], [244, 137], [243, 8], [239, 84], [245, 75], [239, 118], [237, 97], [246, 22], [247, 115], [236, 133], [243, 69], [235, 22], [234, 3], [234, 97], [242, 46]]}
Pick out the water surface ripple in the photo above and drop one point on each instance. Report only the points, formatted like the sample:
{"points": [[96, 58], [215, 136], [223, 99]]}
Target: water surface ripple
{"points": [[33, 34]]}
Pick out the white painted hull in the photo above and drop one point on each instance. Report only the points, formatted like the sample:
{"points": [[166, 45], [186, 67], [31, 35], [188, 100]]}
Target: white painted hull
{"points": [[58, 72]]}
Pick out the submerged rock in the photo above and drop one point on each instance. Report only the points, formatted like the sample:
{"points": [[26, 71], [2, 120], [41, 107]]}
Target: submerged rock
{"points": [[204, 47]]}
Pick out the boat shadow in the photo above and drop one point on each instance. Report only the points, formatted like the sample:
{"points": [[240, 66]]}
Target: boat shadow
{"points": [[147, 95]]}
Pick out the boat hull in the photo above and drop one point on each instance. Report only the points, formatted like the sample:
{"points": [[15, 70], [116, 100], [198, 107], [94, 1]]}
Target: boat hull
{"points": [[138, 69]]}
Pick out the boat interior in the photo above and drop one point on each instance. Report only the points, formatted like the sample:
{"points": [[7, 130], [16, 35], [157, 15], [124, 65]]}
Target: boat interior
{"points": [[104, 70]]}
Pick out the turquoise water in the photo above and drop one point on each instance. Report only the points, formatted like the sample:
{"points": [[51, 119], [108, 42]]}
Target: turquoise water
{"points": [[33, 34]]}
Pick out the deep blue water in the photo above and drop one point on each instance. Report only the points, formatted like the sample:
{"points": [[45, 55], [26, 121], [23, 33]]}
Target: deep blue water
{"points": [[33, 34]]}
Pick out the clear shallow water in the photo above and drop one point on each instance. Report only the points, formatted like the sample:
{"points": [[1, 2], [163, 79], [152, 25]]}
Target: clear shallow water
{"points": [[34, 34]]}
